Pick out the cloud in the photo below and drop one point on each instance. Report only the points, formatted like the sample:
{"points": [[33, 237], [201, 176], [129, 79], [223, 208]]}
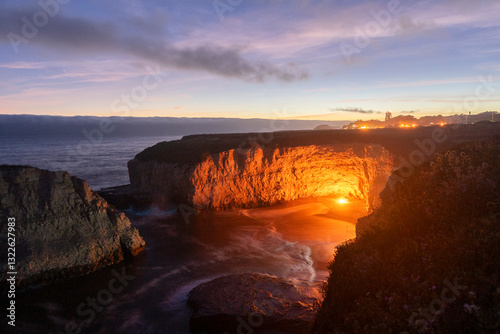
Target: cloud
{"points": [[52, 72], [356, 110], [23, 66], [143, 40]]}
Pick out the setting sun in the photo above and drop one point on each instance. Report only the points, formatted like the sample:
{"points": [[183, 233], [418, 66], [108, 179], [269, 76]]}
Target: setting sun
{"points": [[343, 201]]}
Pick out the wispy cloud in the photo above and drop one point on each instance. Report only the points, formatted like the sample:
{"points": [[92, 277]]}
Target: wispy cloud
{"points": [[51, 72], [24, 66], [355, 110]]}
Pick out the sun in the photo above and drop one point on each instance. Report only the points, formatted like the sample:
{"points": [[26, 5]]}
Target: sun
{"points": [[343, 201]]}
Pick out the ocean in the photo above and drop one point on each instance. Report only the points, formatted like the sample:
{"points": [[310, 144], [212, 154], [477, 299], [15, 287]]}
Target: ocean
{"points": [[102, 164], [294, 240], [97, 149]]}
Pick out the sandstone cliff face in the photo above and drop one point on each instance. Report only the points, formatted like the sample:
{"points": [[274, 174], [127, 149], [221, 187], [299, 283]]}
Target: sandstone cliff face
{"points": [[264, 176], [63, 228]]}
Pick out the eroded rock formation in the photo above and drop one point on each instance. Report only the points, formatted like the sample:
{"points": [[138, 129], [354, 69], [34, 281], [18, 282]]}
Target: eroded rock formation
{"points": [[63, 228], [263, 176], [252, 303]]}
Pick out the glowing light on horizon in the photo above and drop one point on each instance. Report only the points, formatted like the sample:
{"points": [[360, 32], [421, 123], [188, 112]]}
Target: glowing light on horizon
{"points": [[407, 125], [343, 201]]}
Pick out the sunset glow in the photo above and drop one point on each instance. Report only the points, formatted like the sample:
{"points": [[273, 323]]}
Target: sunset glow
{"points": [[303, 60]]}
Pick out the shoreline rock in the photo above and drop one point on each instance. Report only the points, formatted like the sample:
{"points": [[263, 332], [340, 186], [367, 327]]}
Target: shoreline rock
{"points": [[251, 303], [63, 228], [124, 197]]}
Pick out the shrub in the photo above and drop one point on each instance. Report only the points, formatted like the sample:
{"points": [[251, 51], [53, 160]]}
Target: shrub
{"points": [[438, 228]]}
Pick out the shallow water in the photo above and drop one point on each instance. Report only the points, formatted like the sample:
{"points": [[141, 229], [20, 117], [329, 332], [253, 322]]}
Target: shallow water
{"points": [[295, 240]]}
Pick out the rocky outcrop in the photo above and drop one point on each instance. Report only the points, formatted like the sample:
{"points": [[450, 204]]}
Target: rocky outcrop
{"points": [[62, 228], [251, 303], [365, 223], [259, 176], [123, 197], [219, 171]]}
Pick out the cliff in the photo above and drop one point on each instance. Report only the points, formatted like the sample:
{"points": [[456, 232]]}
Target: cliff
{"points": [[221, 171], [259, 176], [62, 227], [428, 259]]}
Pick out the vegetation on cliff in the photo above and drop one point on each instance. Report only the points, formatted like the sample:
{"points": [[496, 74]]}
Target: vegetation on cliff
{"points": [[431, 261]]}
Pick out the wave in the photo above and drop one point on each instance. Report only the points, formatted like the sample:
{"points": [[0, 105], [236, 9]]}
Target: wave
{"points": [[152, 211]]}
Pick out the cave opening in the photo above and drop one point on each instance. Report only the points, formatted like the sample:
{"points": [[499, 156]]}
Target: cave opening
{"points": [[280, 211]]}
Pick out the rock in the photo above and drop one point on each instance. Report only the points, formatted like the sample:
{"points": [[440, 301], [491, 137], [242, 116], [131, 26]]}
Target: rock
{"points": [[62, 228], [365, 223], [124, 197], [260, 176], [252, 303]]}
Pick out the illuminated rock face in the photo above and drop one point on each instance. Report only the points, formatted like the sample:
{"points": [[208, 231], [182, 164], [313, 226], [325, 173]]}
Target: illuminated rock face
{"points": [[264, 176]]}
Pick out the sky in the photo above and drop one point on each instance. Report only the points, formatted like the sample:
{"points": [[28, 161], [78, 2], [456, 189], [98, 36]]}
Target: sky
{"points": [[296, 59]]}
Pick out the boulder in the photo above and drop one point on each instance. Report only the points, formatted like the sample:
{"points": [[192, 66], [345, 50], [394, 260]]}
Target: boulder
{"points": [[252, 303], [62, 227]]}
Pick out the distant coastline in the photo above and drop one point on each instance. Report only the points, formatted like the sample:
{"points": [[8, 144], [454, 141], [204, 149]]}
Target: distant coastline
{"points": [[35, 125]]}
